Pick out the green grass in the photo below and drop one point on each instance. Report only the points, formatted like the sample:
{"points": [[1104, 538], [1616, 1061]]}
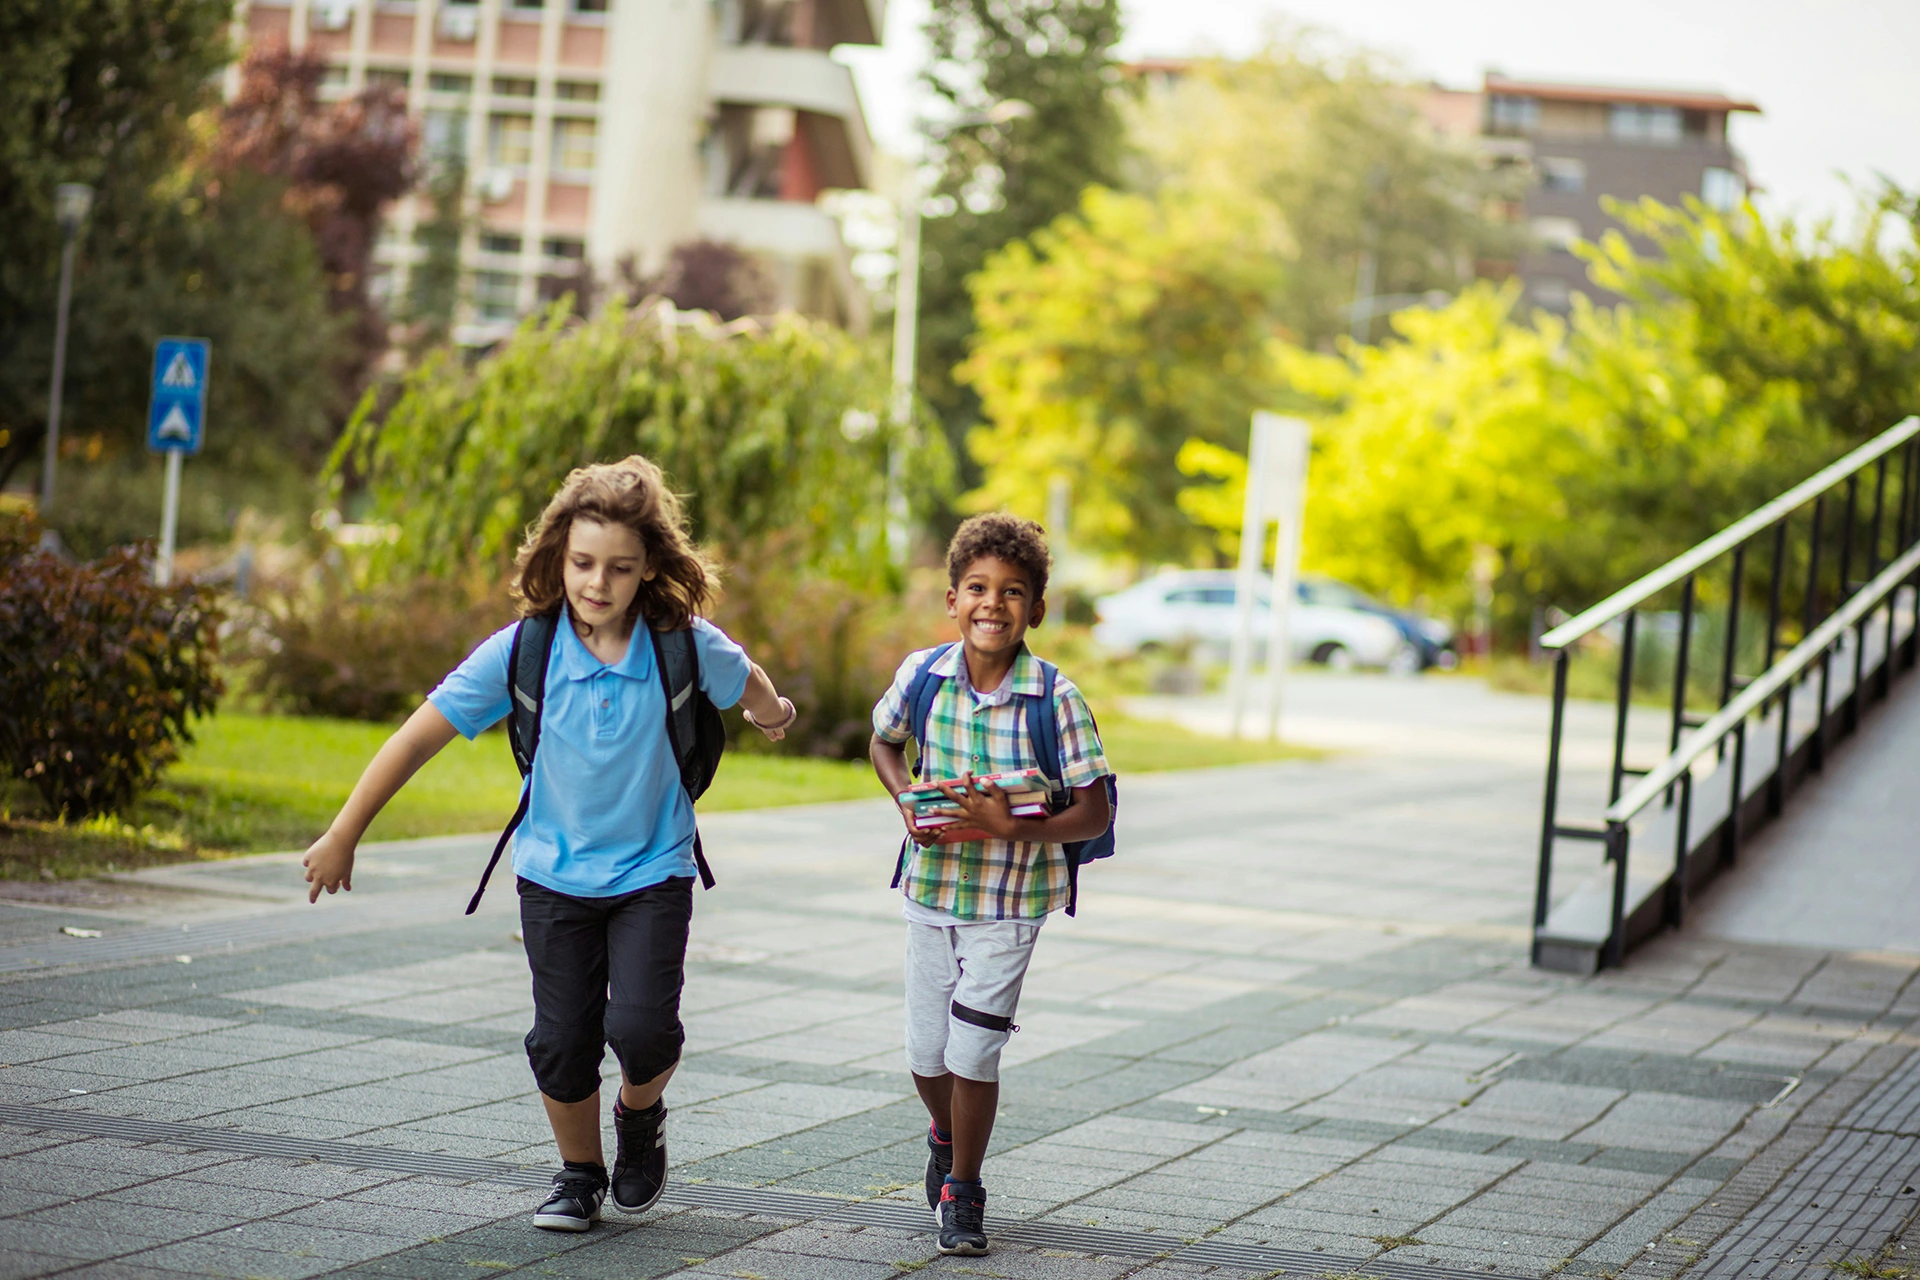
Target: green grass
{"points": [[259, 783]]}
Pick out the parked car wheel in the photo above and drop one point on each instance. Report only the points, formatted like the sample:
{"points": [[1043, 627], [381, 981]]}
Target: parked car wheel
{"points": [[1334, 657]]}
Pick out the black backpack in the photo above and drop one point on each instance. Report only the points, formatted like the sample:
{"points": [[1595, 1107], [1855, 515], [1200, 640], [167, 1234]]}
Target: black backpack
{"points": [[694, 727]]}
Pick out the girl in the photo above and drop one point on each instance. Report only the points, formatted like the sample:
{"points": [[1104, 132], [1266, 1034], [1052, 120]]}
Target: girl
{"points": [[604, 858]]}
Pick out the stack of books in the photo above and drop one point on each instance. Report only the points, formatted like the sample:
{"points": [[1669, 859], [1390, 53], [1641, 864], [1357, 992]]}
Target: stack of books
{"points": [[1026, 790]]}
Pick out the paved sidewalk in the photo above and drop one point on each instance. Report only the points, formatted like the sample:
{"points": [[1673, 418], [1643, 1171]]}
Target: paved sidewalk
{"points": [[1292, 1031]]}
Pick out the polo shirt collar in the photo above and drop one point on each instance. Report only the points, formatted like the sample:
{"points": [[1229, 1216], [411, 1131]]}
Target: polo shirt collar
{"points": [[1026, 670], [578, 663]]}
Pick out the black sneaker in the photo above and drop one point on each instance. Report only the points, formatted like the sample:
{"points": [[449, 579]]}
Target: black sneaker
{"points": [[574, 1203], [939, 1165], [963, 1219], [640, 1157]]}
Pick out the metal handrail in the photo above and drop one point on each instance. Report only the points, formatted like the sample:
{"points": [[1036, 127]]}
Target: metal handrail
{"points": [[1730, 537], [1802, 656]]}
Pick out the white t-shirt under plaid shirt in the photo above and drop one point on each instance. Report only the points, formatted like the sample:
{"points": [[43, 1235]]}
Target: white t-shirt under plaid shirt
{"points": [[968, 731]]}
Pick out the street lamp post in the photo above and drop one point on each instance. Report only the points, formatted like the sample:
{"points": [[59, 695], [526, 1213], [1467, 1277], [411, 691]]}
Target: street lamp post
{"points": [[906, 326], [71, 201]]}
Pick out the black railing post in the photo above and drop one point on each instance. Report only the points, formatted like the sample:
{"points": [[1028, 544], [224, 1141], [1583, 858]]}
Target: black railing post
{"points": [[1775, 576], [1616, 948], [1543, 885], [1621, 702], [1682, 658], [1676, 904], [1809, 620], [1730, 834]]}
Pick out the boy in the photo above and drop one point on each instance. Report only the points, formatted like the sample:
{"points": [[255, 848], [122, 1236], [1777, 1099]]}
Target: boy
{"points": [[975, 909]]}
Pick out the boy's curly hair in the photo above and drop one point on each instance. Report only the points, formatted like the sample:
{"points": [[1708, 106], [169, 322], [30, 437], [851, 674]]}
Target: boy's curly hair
{"points": [[1004, 537], [633, 494]]}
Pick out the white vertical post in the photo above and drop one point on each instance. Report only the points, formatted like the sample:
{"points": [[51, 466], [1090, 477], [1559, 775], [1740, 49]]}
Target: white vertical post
{"points": [[1253, 546], [169, 520], [1287, 500], [906, 338]]}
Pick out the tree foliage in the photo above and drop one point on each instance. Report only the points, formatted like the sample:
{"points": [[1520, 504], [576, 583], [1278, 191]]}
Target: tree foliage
{"points": [[772, 431], [1328, 153], [1001, 179], [1107, 341]]}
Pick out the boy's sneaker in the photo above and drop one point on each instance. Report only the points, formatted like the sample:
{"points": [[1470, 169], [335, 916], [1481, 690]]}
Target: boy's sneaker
{"points": [[963, 1219], [575, 1200], [640, 1157], [939, 1165]]}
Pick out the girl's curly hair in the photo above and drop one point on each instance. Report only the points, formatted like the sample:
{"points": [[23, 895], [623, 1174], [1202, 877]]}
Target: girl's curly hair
{"points": [[633, 494]]}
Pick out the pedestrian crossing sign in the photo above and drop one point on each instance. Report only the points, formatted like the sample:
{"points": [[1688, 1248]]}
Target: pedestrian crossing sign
{"points": [[178, 408]]}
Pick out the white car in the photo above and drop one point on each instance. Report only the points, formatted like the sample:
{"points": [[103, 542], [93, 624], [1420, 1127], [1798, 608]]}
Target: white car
{"points": [[1196, 607]]}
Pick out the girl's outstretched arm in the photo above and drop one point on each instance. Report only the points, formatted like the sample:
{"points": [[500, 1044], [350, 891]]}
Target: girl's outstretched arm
{"points": [[329, 861]]}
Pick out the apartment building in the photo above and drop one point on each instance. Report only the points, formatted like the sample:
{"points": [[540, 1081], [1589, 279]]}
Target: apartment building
{"points": [[595, 131], [1579, 144]]}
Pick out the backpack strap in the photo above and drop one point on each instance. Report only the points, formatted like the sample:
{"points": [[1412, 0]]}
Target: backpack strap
{"points": [[1043, 734], [527, 661], [920, 694], [678, 659]]}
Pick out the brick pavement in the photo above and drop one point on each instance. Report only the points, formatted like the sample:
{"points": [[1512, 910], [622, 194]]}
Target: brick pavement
{"points": [[1293, 1023]]}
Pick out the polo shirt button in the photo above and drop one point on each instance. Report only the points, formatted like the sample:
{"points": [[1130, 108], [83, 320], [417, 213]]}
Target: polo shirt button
{"points": [[606, 702]]}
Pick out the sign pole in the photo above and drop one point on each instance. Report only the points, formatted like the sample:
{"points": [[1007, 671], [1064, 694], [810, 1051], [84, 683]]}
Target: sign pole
{"points": [[169, 520], [1288, 457], [1253, 547], [176, 418]]}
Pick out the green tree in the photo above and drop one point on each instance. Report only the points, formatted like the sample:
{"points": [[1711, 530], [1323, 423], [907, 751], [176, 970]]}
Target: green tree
{"points": [[433, 286], [1001, 180], [94, 91], [1106, 342], [1338, 166], [773, 433]]}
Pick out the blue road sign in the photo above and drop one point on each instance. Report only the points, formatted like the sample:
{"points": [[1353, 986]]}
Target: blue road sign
{"points": [[178, 410]]}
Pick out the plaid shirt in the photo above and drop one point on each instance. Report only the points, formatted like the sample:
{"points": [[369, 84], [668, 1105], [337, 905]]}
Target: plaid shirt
{"points": [[989, 879]]}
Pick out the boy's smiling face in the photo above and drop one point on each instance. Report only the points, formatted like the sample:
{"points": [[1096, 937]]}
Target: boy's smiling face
{"points": [[994, 604]]}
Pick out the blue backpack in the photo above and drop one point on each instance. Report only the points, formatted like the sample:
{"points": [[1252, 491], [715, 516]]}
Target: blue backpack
{"points": [[1043, 734]]}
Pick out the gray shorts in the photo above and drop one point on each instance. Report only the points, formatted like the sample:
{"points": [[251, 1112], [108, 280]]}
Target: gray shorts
{"points": [[963, 984]]}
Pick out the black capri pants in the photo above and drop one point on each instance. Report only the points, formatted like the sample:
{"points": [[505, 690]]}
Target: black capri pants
{"points": [[606, 971]]}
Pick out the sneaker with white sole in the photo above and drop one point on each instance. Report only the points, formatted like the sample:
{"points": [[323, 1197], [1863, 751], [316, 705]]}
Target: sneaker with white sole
{"points": [[963, 1219], [574, 1202], [939, 1165], [640, 1157]]}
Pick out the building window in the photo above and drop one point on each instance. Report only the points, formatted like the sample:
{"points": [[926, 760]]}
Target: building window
{"points": [[573, 145], [445, 82], [529, 4], [499, 242], [1556, 233], [445, 133], [513, 86], [1643, 122], [496, 294], [577, 91], [562, 247], [333, 76], [1722, 189], [746, 150], [1558, 173], [591, 6], [1507, 113], [387, 78], [510, 141]]}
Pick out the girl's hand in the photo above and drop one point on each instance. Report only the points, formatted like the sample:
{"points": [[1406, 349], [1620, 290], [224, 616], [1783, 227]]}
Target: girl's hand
{"points": [[329, 864], [983, 806], [775, 732]]}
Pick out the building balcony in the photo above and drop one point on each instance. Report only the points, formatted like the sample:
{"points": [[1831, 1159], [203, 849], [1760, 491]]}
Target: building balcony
{"points": [[809, 81], [781, 228]]}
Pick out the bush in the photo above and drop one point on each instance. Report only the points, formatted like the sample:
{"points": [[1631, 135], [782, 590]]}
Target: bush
{"points": [[367, 653], [100, 672], [830, 647]]}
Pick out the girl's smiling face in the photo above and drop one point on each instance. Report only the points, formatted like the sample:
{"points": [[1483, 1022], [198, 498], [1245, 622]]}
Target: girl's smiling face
{"points": [[605, 565]]}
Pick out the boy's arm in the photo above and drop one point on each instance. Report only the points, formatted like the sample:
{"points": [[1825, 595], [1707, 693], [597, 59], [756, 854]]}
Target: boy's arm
{"points": [[988, 808], [890, 762], [329, 861]]}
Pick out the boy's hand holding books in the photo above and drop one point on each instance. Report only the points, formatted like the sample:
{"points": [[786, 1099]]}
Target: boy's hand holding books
{"points": [[974, 808]]}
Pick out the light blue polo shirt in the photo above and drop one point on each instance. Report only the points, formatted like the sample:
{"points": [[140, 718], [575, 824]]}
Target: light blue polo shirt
{"points": [[607, 814]]}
